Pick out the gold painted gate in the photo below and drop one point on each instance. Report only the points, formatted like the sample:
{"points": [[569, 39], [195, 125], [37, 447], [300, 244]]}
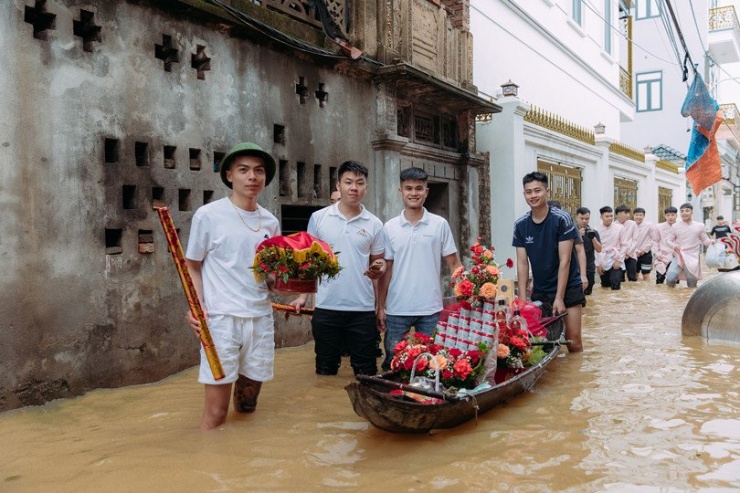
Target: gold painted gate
{"points": [[625, 193], [665, 199], [565, 184]]}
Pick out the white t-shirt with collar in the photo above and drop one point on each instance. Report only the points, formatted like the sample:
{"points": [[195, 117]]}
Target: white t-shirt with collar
{"points": [[220, 240], [416, 251], [355, 240]]}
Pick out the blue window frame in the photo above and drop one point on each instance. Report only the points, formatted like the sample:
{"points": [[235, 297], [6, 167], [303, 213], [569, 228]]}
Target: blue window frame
{"points": [[647, 9], [608, 26], [649, 91], [577, 13]]}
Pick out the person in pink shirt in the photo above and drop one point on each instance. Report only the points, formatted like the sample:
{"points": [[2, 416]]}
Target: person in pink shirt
{"points": [[613, 250], [645, 240], [684, 239], [663, 253], [630, 237]]}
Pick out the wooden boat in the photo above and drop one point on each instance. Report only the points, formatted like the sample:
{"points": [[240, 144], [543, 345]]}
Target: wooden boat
{"points": [[371, 398]]}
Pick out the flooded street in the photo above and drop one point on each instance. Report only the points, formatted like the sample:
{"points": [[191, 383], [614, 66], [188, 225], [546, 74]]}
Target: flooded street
{"points": [[642, 409]]}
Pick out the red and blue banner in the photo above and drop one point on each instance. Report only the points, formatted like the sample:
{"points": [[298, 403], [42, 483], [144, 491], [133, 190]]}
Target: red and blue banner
{"points": [[703, 163]]}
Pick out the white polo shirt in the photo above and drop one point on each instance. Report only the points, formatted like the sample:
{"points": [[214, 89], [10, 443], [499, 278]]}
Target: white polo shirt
{"points": [[355, 240], [220, 239], [416, 251]]}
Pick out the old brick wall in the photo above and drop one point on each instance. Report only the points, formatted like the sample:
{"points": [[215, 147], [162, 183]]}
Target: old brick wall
{"points": [[111, 107]]}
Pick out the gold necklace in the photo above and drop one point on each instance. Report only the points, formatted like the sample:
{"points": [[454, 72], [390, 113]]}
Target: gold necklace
{"points": [[259, 215]]}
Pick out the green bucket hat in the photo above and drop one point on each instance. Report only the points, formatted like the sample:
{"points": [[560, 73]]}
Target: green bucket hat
{"points": [[247, 149]]}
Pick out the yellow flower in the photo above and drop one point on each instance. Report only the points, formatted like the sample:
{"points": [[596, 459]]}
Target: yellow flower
{"points": [[488, 290]]}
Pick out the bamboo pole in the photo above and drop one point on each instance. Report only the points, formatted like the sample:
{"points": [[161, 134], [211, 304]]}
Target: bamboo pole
{"points": [[187, 284]]}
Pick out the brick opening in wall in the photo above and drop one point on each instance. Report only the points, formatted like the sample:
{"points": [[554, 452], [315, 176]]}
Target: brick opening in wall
{"points": [[40, 18], [217, 158], [195, 159], [322, 96], [278, 134], [146, 241], [333, 179], [113, 241], [86, 29], [158, 198], [207, 196], [141, 153], [129, 196], [200, 62], [302, 179], [317, 181], [284, 172], [169, 157], [302, 90], [111, 151], [167, 52], [183, 199]]}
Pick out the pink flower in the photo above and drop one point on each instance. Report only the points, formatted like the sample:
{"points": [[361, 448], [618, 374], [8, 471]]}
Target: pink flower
{"points": [[503, 351]]}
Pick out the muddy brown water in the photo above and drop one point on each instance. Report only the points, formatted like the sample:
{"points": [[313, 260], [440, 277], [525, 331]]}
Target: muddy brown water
{"points": [[642, 409]]}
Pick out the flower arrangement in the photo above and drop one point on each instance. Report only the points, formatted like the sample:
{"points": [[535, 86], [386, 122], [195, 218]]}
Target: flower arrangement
{"points": [[515, 348], [457, 368], [480, 282], [298, 256]]}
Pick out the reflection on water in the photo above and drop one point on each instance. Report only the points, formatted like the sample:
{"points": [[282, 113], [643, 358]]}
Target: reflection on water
{"points": [[641, 410]]}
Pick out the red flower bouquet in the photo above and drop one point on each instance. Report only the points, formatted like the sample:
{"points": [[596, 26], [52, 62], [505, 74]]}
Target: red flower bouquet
{"points": [[456, 368], [480, 282], [294, 258]]}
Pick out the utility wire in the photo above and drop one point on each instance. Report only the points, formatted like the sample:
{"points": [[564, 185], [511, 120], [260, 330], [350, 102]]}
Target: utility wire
{"points": [[669, 32], [681, 38], [619, 30], [279, 36]]}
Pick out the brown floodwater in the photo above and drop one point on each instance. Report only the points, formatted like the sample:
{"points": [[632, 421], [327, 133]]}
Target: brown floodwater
{"points": [[642, 409]]}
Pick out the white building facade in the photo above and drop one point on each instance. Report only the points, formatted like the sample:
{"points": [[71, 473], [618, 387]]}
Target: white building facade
{"points": [[570, 61]]}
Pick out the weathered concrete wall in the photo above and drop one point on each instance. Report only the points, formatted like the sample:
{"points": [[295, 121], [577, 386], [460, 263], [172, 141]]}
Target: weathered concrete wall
{"points": [[82, 147], [113, 107]]}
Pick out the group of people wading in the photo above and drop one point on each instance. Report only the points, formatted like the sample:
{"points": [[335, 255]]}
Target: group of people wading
{"points": [[390, 277]]}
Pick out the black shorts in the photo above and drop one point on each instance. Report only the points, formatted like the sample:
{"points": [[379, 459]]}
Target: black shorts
{"points": [[573, 296], [645, 262]]}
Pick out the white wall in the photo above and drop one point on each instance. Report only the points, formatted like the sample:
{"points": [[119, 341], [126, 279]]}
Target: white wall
{"points": [[559, 66]]}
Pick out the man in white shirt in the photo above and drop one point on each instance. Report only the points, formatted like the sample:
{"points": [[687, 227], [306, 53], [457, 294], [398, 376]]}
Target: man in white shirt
{"points": [[664, 253], [224, 236], [630, 239], [645, 240], [684, 238], [345, 313], [416, 240], [613, 249]]}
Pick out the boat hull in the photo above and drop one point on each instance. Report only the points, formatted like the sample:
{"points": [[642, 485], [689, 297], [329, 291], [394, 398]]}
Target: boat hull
{"points": [[374, 403]]}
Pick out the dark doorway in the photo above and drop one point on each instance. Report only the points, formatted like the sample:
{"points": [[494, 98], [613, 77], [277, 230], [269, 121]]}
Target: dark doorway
{"points": [[438, 201]]}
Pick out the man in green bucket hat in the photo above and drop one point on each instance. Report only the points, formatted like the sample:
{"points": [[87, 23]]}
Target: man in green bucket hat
{"points": [[224, 236]]}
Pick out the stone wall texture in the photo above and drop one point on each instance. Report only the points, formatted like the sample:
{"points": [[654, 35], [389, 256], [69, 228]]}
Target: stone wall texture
{"points": [[114, 107]]}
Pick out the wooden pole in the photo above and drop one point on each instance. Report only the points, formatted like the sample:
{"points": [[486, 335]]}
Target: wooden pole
{"points": [[187, 284]]}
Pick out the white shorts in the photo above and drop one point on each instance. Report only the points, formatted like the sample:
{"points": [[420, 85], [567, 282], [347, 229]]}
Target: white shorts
{"points": [[245, 346]]}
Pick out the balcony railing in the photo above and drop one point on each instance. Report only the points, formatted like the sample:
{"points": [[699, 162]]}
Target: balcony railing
{"points": [[625, 82], [723, 18]]}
